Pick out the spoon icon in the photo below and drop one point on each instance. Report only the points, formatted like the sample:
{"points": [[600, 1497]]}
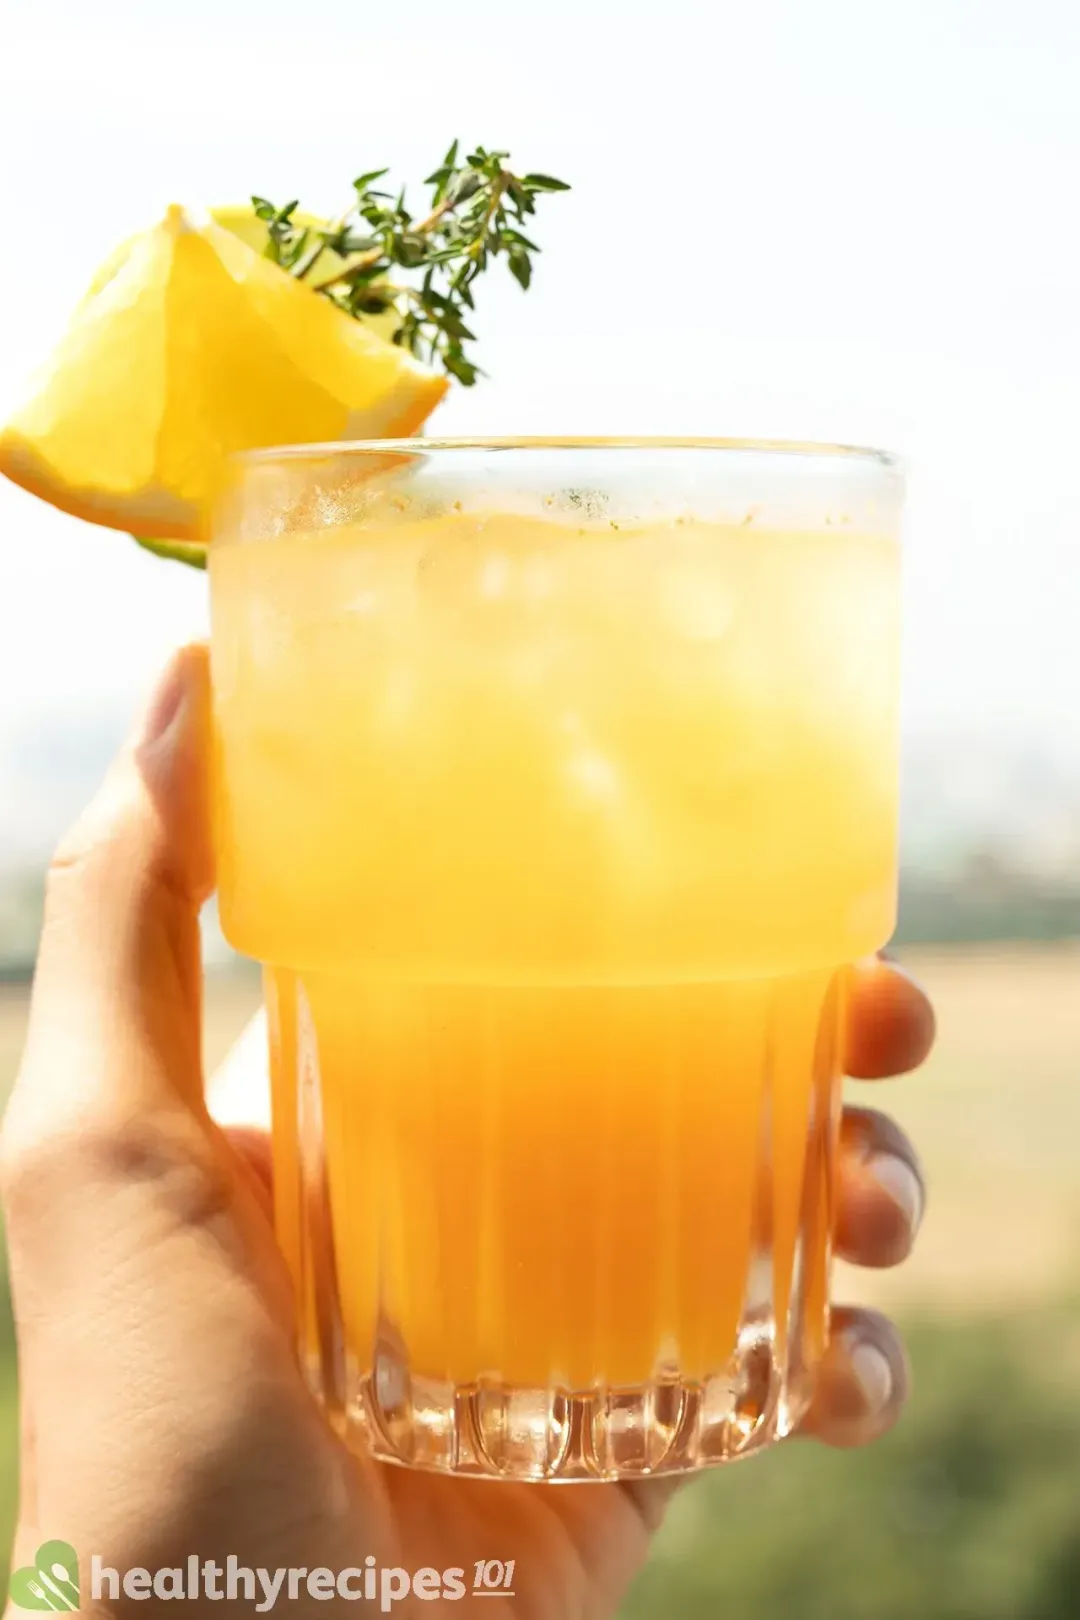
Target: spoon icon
{"points": [[61, 1574], [54, 1589]]}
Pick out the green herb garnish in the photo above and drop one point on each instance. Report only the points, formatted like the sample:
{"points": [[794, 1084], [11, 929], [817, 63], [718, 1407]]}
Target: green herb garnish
{"points": [[421, 269]]}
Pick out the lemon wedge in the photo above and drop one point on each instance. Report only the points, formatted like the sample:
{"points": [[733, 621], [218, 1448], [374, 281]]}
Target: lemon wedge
{"points": [[187, 347], [245, 223]]}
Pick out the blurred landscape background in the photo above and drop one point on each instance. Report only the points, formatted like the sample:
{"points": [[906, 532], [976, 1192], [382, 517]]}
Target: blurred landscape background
{"points": [[848, 220]]}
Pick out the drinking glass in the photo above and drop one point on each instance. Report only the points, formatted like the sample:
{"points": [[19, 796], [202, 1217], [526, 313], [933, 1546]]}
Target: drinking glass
{"points": [[555, 789]]}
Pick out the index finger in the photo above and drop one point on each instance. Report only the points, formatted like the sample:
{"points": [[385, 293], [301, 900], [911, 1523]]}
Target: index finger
{"points": [[890, 1023]]}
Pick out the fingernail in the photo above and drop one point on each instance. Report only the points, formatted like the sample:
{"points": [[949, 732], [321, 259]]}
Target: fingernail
{"points": [[165, 700], [873, 1373], [897, 1178]]}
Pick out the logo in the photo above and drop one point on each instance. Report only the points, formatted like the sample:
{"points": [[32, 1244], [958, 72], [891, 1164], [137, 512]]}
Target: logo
{"points": [[50, 1582]]}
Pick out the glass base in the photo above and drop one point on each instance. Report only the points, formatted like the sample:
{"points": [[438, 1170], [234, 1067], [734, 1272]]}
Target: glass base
{"points": [[549, 1235], [495, 1431]]}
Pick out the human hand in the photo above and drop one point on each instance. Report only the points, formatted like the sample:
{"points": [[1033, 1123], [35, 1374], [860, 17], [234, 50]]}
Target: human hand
{"points": [[163, 1411]]}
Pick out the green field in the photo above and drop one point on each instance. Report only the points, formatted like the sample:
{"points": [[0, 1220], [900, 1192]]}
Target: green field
{"points": [[968, 1511]]}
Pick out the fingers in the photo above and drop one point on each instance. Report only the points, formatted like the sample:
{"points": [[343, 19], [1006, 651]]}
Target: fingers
{"points": [[890, 1026], [881, 1193], [860, 1391], [862, 1382]]}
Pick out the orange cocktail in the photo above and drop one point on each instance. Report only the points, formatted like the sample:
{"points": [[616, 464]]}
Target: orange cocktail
{"points": [[556, 788]]}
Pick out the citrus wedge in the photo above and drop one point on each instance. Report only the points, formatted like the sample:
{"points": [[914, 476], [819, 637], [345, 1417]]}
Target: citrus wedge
{"points": [[189, 346], [245, 223]]}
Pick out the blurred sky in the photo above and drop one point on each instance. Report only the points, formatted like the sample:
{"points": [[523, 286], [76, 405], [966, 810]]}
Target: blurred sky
{"points": [[837, 219]]}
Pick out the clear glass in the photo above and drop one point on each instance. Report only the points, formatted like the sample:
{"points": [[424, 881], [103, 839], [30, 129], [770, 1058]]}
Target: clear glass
{"points": [[556, 787]]}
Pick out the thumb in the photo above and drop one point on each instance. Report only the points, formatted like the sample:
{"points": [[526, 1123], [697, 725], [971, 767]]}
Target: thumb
{"points": [[144, 1274], [114, 1032]]}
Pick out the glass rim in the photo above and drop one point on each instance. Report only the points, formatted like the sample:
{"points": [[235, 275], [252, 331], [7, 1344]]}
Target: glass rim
{"points": [[884, 460]]}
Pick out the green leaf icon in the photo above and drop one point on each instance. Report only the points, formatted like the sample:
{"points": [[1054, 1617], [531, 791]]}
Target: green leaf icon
{"points": [[51, 1582]]}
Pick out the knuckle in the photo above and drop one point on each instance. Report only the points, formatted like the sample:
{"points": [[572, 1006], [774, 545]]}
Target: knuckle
{"points": [[118, 838], [74, 869], [168, 1159], [85, 839], [64, 870]]}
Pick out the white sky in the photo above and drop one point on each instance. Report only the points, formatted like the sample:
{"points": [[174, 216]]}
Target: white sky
{"points": [[843, 219]]}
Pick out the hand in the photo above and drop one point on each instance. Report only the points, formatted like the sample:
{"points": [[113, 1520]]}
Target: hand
{"points": [[163, 1413]]}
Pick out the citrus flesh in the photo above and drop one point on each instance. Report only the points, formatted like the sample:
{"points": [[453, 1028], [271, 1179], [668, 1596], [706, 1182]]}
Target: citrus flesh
{"points": [[242, 221], [188, 347]]}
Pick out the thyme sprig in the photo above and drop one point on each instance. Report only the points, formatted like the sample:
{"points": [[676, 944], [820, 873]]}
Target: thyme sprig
{"points": [[423, 269]]}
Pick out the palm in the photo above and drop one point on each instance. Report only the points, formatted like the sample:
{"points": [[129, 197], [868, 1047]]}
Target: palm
{"points": [[575, 1550], [196, 1380]]}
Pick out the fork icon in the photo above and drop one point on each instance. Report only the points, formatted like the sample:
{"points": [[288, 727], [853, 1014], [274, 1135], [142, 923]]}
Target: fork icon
{"points": [[63, 1603]]}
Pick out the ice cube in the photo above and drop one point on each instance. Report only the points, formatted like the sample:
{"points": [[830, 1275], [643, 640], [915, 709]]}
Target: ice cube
{"points": [[268, 632], [396, 700], [494, 577], [537, 579], [595, 775], [697, 607]]}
